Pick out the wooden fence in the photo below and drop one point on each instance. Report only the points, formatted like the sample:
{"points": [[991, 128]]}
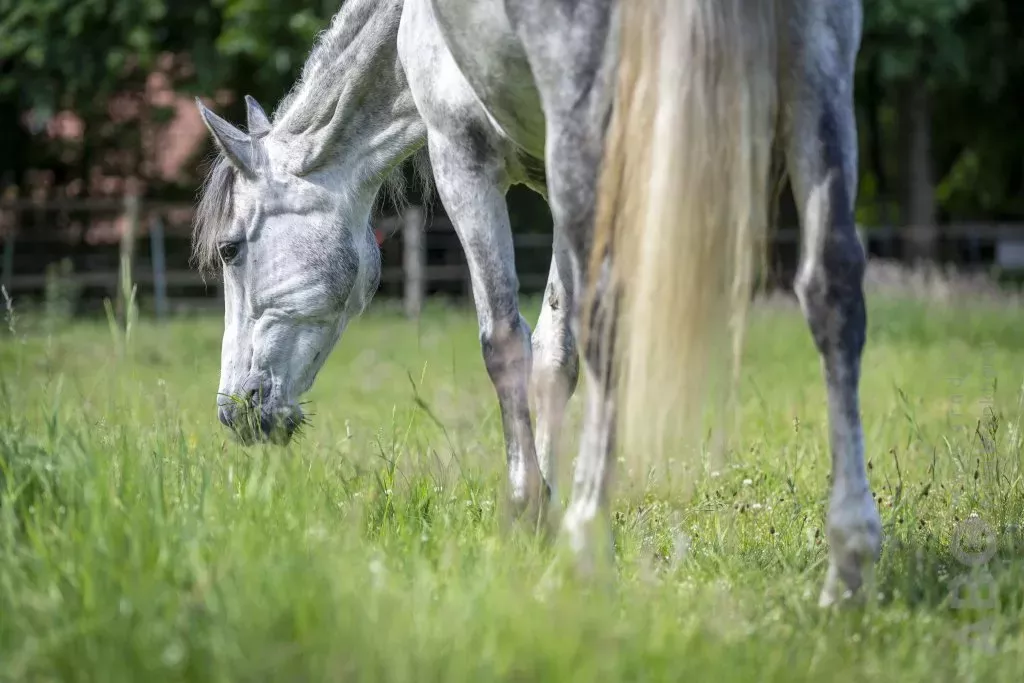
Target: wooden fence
{"points": [[87, 249]]}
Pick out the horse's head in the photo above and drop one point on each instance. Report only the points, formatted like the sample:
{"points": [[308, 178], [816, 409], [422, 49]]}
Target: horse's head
{"points": [[298, 261]]}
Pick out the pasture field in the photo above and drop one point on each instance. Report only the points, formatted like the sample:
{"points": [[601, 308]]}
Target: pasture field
{"points": [[139, 543]]}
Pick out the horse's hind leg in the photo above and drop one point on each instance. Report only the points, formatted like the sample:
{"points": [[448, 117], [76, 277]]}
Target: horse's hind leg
{"points": [[573, 72], [555, 362], [821, 150]]}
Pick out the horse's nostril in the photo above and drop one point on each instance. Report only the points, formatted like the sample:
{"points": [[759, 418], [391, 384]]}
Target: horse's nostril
{"points": [[224, 414]]}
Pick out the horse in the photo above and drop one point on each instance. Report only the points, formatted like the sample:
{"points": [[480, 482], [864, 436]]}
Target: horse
{"points": [[653, 130]]}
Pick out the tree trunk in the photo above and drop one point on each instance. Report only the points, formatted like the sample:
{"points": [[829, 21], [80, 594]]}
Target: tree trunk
{"points": [[918, 186], [873, 98], [14, 140]]}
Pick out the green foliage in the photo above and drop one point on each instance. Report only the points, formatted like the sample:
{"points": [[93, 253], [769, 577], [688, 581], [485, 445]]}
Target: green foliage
{"points": [[277, 36], [76, 54], [911, 38], [263, 45], [71, 53], [968, 55]]}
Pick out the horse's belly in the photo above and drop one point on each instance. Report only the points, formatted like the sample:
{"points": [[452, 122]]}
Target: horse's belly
{"points": [[490, 56]]}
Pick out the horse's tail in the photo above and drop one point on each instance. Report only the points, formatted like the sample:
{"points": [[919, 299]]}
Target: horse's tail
{"points": [[683, 207]]}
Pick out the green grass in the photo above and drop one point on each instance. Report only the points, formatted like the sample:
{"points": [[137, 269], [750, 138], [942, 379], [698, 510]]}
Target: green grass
{"points": [[139, 543]]}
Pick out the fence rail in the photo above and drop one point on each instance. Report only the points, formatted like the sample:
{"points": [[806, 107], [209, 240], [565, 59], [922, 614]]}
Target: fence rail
{"points": [[421, 256]]}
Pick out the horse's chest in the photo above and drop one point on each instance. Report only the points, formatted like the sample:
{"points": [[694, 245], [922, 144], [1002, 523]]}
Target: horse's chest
{"points": [[490, 56]]}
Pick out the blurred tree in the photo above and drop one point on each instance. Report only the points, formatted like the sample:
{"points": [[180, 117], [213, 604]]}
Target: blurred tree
{"points": [[937, 84], [911, 49], [980, 144], [269, 41], [79, 55]]}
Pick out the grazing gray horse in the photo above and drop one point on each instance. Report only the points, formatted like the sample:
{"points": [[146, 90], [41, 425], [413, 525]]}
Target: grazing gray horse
{"points": [[650, 129]]}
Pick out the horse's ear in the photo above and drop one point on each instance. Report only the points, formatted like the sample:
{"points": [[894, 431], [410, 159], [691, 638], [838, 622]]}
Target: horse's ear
{"points": [[236, 145], [257, 122]]}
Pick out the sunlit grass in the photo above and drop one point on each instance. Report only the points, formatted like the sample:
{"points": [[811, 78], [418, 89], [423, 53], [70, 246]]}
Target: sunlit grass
{"points": [[140, 542]]}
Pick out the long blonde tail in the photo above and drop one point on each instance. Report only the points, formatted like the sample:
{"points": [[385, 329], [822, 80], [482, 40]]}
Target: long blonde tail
{"points": [[683, 205]]}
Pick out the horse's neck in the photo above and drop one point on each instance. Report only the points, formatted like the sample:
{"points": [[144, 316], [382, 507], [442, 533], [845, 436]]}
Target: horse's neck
{"points": [[351, 113]]}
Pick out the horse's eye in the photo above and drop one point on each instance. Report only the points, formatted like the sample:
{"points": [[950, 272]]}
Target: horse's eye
{"points": [[228, 251]]}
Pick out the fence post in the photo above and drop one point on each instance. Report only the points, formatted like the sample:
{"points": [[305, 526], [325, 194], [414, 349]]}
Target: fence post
{"points": [[7, 270], [157, 254], [413, 260], [127, 253]]}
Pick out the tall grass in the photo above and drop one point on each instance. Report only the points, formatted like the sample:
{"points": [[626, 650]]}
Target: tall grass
{"points": [[139, 543]]}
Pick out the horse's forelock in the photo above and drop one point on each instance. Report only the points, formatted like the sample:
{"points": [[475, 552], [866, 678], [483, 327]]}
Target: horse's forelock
{"points": [[213, 213]]}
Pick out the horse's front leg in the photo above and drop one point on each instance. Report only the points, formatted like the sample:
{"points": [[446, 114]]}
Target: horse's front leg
{"points": [[471, 179]]}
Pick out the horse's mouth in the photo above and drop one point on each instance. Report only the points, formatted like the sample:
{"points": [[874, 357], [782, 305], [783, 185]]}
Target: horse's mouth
{"points": [[276, 428]]}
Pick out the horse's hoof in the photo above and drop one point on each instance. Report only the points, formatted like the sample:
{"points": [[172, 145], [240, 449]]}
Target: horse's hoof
{"points": [[854, 533], [573, 565]]}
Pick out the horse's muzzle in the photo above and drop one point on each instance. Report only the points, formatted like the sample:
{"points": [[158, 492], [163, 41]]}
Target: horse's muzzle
{"points": [[256, 415]]}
